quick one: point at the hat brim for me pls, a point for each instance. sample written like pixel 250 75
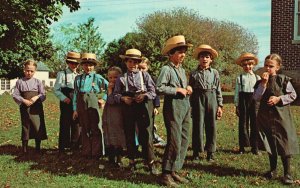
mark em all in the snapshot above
pixel 95 62
pixel 240 59
pixel 213 52
pixel 168 48
pixel 130 57
pixel 72 60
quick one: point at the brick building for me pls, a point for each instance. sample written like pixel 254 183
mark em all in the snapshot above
pixel 285 37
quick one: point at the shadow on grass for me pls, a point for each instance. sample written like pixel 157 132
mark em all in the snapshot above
pixel 63 164
pixel 221 171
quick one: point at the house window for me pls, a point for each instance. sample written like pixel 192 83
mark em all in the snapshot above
pixel 2 84
pixel 51 83
pixel 297 20
pixel 7 84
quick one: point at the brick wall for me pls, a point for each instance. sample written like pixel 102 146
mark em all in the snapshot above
pixel 282 33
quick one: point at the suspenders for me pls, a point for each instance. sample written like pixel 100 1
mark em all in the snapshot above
pixel 142 81
pixel 93 83
pixel 241 80
pixel 66 81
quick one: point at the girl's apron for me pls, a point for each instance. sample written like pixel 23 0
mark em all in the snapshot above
pixel 32 118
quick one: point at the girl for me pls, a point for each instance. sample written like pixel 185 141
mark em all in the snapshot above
pixel 29 93
pixel 114 136
pixel 275 93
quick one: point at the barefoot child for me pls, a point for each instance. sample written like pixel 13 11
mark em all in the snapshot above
pixel 29 93
pixel 275 93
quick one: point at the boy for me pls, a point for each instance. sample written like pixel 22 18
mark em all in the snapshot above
pixel 29 93
pixel 157 140
pixel 206 102
pixel 245 105
pixel 87 87
pixel 136 91
pixel 172 83
pixel 63 90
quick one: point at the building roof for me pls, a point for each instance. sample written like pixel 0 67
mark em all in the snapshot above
pixel 42 67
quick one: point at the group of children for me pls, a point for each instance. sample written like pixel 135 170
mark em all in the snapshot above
pixel 131 100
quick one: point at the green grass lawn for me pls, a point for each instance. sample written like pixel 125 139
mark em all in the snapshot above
pixel 49 169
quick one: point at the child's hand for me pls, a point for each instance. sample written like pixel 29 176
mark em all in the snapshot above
pixel 155 111
pixel 264 79
pixel 189 90
pixel 219 113
pixel 273 100
pixel 183 91
pixel 67 100
pixel 101 103
pixel 75 115
pixel 140 98
pixel 27 102
pixel 127 100
pixel 33 99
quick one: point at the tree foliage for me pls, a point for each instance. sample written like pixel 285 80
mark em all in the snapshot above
pixel 24 31
pixel 228 38
pixel 84 37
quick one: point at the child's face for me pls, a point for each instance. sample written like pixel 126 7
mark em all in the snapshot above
pixel 178 56
pixel 143 67
pixel 271 66
pixel 132 64
pixel 205 60
pixel 112 76
pixel 88 67
pixel 29 71
pixel 247 66
pixel 73 66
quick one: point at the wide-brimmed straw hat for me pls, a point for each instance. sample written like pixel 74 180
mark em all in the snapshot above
pixel 205 48
pixel 174 42
pixel 132 54
pixel 73 57
pixel 89 58
pixel 246 56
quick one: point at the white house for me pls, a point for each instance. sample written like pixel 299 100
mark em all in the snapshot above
pixel 42 73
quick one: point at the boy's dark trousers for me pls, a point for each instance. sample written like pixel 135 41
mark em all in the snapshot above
pixel 247 117
pixel 69 130
pixel 139 114
pixel 204 110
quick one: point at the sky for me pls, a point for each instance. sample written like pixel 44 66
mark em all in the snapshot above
pixel 117 17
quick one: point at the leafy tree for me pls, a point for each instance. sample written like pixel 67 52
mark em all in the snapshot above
pixel 24 31
pixel 228 38
pixel 82 38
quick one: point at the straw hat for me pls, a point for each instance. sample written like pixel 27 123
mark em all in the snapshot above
pixel 205 48
pixel 73 57
pixel 132 54
pixel 174 42
pixel 89 58
pixel 247 56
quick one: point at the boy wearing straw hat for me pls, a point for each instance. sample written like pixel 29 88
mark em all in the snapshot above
pixel 245 105
pixel 135 90
pixel 172 83
pixel 86 106
pixel 63 90
pixel 206 102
